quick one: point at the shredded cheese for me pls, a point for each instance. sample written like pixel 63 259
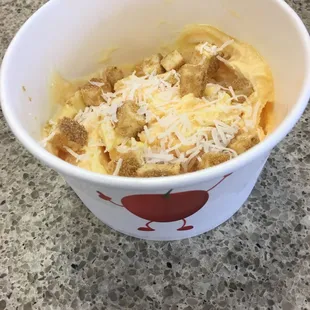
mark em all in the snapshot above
pixel 233 93
pixel 221 48
pixel 223 60
pixel 98 84
pixel 212 49
pixel 118 166
pixel 77 156
pixel 48 138
pixel 175 130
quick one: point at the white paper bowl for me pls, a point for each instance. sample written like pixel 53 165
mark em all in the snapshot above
pixel 69 36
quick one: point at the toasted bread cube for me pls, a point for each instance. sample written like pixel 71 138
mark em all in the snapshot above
pixel 199 59
pixel 193 80
pixel 212 159
pixel 103 83
pixel 238 83
pixel 129 123
pixel 241 83
pixel 244 141
pixel 92 91
pixel 173 61
pixel 242 86
pixel 74 131
pixel 113 75
pixel 91 95
pixel 158 170
pixel 70 134
pixel 132 161
pixel 210 62
pixel 152 64
pixel 138 70
pixel 214 65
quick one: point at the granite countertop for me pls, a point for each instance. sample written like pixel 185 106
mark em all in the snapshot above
pixel 54 254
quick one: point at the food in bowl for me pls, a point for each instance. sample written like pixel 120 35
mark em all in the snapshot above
pixel 206 100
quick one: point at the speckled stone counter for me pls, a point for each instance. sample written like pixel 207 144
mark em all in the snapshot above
pixel 54 254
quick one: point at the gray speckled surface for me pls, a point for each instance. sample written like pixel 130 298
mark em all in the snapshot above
pixel 54 254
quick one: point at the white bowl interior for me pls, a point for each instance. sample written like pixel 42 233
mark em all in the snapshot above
pixel 70 36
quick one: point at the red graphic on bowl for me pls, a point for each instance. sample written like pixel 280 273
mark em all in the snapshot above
pixel 164 208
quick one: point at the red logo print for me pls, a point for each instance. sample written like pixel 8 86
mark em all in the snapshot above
pixel 164 208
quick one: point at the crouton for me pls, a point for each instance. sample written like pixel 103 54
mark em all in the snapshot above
pixel 129 123
pixel 132 161
pixel 193 80
pixel 214 65
pixel 173 61
pixel 244 141
pixel 92 91
pixel 113 75
pixel 150 65
pixel 227 77
pixel 158 170
pixel 242 86
pixel 212 159
pixel 70 134
pixel 74 131
pixel 198 59
pixel 210 62
pixel 138 70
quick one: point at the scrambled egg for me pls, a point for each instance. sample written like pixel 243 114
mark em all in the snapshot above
pixel 197 106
